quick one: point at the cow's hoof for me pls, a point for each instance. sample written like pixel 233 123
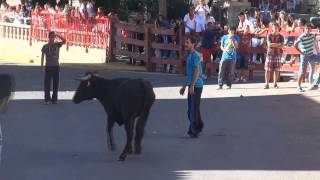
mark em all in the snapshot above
pixel 123 157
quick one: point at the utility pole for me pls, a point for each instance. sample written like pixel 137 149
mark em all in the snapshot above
pixel 163 7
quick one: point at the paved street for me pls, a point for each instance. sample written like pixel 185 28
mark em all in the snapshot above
pixel 266 134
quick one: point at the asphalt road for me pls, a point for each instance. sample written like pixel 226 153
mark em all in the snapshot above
pixel 256 137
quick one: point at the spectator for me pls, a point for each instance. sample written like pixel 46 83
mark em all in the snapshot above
pixel 244 55
pixel 306 44
pixel 50 52
pixel 201 10
pixel 190 21
pixel 100 13
pixel 243 23
pixel 283 21
pixel 90 9
pixel 51 9
pixel 264 5
pixel 209 19
pixel 274 54
pixel 229 46
pixel 208 47
pixel 18 15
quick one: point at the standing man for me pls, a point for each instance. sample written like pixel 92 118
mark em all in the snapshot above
pixel 274 53
pixel 51 70
pixel 229 46
pixel 209 37
pixel 308 45
pixel 195 86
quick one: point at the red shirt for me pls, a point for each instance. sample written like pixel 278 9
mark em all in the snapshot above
pixel 274 39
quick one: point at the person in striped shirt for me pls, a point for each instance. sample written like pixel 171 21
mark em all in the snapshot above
pixel 306 44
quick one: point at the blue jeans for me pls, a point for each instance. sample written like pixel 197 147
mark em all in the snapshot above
pixel 194 114
pixel 304 61
pixel 226 66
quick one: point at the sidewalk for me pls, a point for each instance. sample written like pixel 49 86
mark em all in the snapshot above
pixel 18 52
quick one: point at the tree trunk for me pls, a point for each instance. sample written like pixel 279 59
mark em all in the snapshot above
pixel 163 8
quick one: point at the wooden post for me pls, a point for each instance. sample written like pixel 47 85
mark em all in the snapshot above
pixel 181 49
pixel 163 8
pixel 147 49
pixel 109 51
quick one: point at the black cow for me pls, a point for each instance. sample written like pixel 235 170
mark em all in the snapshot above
pixel 124 100
pixel 7 86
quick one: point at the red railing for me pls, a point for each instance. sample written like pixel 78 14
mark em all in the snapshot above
pixel 287 50
pixel 77 31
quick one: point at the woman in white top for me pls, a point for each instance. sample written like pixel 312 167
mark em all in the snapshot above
pixel 190 21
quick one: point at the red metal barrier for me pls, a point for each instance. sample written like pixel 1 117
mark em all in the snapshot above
pixel 89 33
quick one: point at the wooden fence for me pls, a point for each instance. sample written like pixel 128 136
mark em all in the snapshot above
pixel 148 43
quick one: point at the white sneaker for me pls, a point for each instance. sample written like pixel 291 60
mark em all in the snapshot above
pixel 244 80
pixel 300 89
pixel 256 62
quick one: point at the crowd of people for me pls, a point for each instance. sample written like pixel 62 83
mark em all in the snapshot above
pixel 21 13
pixel 269 30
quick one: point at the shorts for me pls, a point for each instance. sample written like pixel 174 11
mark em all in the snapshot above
pixel 243 61
pixel 200 27
pixel 206 54
pixel 273 63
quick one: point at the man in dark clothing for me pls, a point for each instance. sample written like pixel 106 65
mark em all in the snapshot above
pixel 51 51
pixel 208 46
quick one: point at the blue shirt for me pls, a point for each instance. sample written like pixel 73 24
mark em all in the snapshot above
pixel 193 63
pixel 232 55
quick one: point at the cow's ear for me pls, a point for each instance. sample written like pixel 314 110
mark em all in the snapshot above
pixel 88 83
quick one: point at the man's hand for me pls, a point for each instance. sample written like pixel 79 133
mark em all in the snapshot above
pixel 182 90
pixel 191 90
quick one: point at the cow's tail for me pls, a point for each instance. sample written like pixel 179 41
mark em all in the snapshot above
pixel 149 98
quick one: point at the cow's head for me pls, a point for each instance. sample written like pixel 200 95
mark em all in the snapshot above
pixel 85 90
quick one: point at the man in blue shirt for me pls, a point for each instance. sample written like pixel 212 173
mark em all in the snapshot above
pixel 195 84
pixel 229 46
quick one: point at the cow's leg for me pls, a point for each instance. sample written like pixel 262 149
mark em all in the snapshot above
pixel 128 148
pixel 111 143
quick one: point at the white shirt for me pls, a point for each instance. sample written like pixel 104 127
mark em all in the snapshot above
pixel 190 23
pixel 210 20
pixel 201 12
pixel 246 23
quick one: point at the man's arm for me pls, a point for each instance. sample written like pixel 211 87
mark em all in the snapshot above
pixel 42 59
pixel 206 9
pixel 235 43
pixel 316 43
pixel 63 40
pixel 195 78
pixel 296 45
